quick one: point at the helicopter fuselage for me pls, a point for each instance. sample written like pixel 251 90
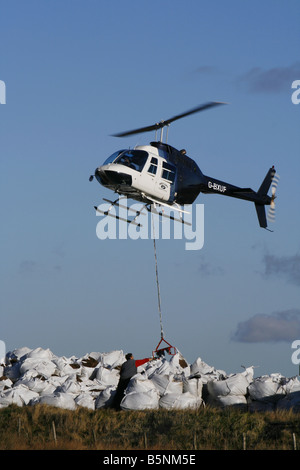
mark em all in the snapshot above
pixel 159 172
pixel 156 171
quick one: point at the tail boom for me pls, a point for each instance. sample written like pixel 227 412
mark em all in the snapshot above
pixel 260 198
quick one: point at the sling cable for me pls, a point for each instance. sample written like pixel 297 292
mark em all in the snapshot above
pixel 161 349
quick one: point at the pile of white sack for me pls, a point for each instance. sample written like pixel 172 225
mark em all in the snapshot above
pixel 32 376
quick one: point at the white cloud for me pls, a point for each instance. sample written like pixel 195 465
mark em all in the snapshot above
pixel 278 326
pixel 274 80
pixel 283 266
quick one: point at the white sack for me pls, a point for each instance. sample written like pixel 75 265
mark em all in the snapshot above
pixel 19 395
pixel 249 373
pixel 43 367
pixel 140 383
pixel 34 383
pixel 292 385
pixel 105 398
pixel 65 366
pixel 166 384
pixel 85 373
pixel 93 387
pixel 69 386
pixel 5 384
pixel 56 380
pixel 107 376
pixel 176 367
pixel 39 354
pixel 235 385
pixel 140 401
pixel 59 400
pixel 25 394
pixel 85 400
pixel 9 397
pixel 48 390
pixel 179 401
pixel 151 367
pixel 200 368
pixel 95 355
pixel 159 367
pixel 193 386
pixel 265 388
pixel 112 359
pixel 16 354
pixel 228 400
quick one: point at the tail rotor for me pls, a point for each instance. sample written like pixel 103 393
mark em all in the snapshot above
pixel 271 211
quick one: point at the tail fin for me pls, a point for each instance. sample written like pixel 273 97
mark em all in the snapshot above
pixel 261 214
pixel 264 188
pixel 261 193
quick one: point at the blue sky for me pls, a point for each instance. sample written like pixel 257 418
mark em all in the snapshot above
pixel 78 71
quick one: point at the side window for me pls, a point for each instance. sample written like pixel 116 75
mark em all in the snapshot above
pixel 168 172
pixel 153 166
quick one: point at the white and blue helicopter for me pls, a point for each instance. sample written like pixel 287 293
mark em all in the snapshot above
pixel 160 175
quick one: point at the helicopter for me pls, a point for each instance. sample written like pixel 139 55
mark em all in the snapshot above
pixel 160 175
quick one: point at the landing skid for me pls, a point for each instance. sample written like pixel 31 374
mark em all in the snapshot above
pixel 116 203
pixel 133 222
pixel 149 207
pixel 180 220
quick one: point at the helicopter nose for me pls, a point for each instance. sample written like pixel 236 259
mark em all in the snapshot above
pixel 115 177
pixel 110 177
pixel 101 176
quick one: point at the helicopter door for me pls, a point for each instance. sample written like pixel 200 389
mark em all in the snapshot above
pixel 166 181
pixel 158 179
pixel 151 182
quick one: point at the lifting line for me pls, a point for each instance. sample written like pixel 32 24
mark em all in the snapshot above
pixel 157 282
pixel 160 350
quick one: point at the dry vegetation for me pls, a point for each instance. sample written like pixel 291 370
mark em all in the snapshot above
pixel 42 427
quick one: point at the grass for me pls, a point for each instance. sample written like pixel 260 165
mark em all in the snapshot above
pixel 41 427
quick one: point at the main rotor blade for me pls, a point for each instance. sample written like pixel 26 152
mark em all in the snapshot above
pixel 202 107
pixel 161 124
pixel 138 131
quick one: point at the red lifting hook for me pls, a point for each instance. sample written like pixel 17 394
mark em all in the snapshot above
pixel 160 351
